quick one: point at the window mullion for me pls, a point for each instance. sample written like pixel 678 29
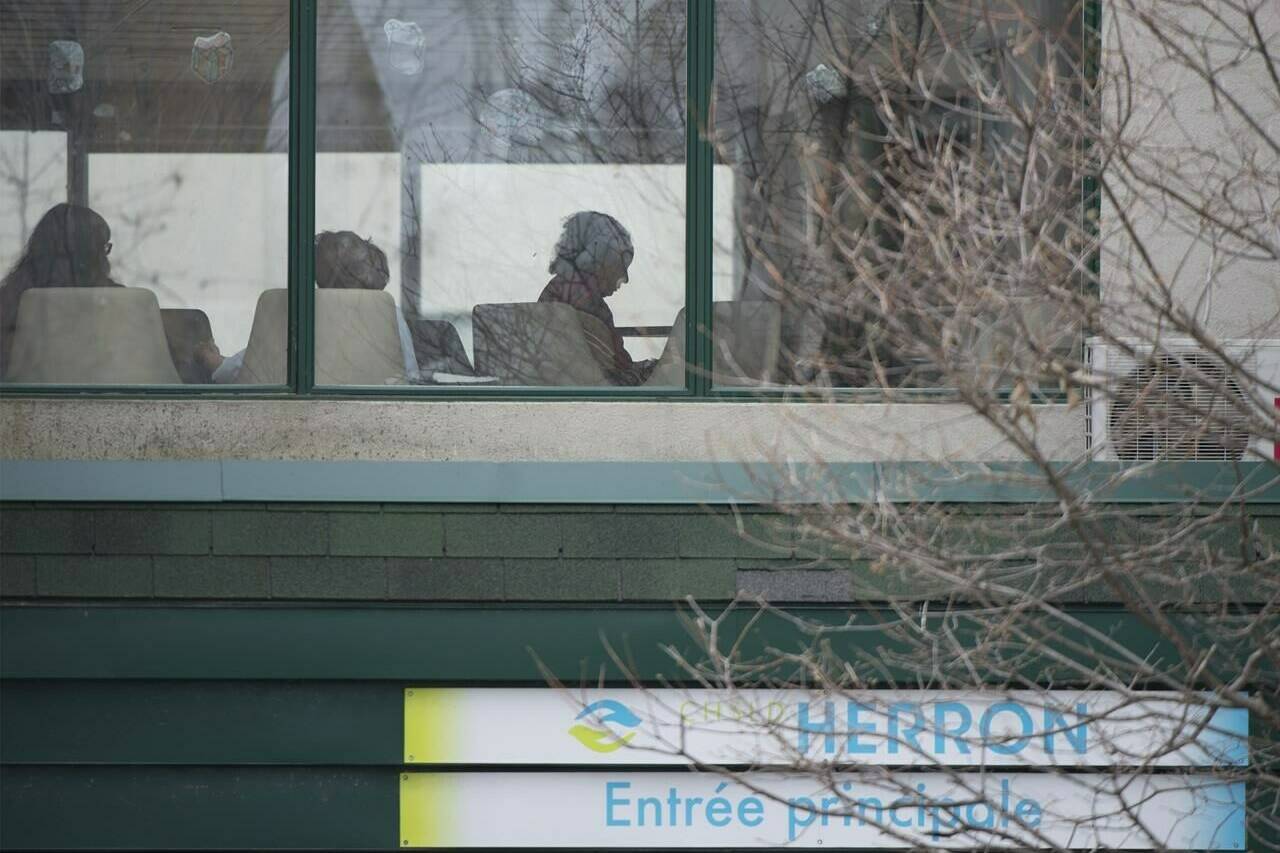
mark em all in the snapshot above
pixel 302 159
pixel 700 159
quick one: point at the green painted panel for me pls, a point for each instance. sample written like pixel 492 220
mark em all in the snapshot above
pixel 357 643
pixel 110 480
pixel 493 645
pixel 1108 482
pixel 201 722
pixel 170 808
pixel 359 481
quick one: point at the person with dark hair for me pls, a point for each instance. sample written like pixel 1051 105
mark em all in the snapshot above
pixel 344 260
pixel 69 247
pixel 590 263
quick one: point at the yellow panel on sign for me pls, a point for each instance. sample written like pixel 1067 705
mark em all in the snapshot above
pixel 431 729
pixel 425 808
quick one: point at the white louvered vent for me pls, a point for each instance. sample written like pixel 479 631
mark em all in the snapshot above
pixel 1178 402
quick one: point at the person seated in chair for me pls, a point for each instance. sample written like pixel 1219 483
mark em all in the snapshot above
pixel 344 260
pixel 67 248
pixel 590 263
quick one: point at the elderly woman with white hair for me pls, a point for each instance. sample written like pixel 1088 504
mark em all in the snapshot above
pixel 590 263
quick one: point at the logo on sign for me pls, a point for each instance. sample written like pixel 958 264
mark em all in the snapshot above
pixel 599 733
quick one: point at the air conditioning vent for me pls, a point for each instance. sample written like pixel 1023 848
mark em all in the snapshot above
pixel 1180 402
pixel 1178 407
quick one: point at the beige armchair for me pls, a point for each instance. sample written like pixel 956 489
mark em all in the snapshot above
pixel 90 336
pixel 745 337
pixel 357 342
pixel 540 343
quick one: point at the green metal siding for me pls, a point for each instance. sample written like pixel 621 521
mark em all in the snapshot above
pixel 234 680
pixel 279 727
pixel 203 808
pixel 182 722
pixel 496 644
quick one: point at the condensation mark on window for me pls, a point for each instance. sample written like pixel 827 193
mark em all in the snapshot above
pixel 825 84
pixel 514 117
pixel 66 67
pixel 211 57
pixel 406 46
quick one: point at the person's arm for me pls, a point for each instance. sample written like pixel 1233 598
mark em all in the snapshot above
pixel 580 296
pixel 626 370
pixel 635 373
pixel 223 371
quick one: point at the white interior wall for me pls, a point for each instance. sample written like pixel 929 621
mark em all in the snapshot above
pixel 178 229
pixel 33 178
pixel 210 231
pixel 489 231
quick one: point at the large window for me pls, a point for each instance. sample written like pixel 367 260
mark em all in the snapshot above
pixel 534 155
pixel 144 211
pixel 607 196
pixel 890 162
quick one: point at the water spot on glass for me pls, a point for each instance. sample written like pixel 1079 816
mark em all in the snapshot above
pixel 406 46
pixel 212 56
pixel 825 84
pixel 514 117
pixel 66 67
pixel 105 111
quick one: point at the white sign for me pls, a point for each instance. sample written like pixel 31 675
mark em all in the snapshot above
pixel 515 726
pixel 602 810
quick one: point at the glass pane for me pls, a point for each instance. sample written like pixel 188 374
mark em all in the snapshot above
pixel 880 162
pixel 500 192
pixel 144 217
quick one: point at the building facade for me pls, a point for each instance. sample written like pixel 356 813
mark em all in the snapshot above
pixel 241 515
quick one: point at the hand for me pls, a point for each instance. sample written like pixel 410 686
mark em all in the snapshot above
pixel 208 356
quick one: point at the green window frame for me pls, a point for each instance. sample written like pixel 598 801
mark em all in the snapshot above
pixel 700 160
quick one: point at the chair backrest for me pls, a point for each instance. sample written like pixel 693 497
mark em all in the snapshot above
pixel 745 338
pixel 356 339
pixel 669 371
pixel 438 347
pixel 90 336
pixel 540 343
pixel 186 329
